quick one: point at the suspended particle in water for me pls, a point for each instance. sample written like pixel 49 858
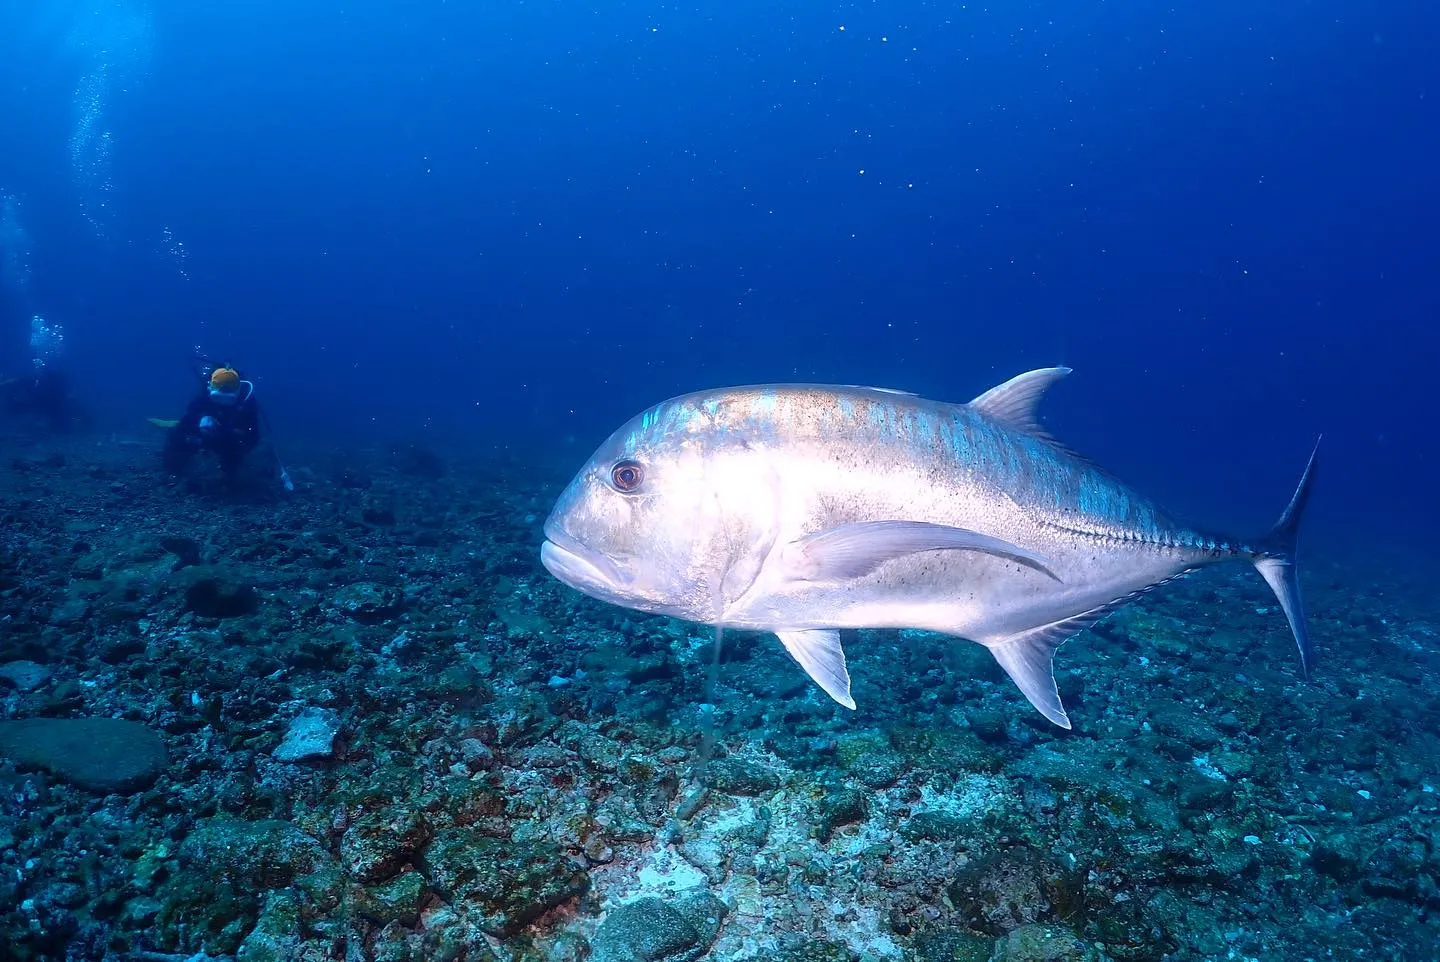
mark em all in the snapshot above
pixel 14 246
pixel 47 341
pixel 91 148
pixel 115 40
pixel 173 249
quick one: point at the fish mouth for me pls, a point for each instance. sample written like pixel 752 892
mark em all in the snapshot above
pixel 578 566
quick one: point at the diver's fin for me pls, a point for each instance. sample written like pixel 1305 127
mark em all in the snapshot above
pixel 1276 562
pixel 855 550
pixel 818 651
pixel 1016 402
pixel 163 422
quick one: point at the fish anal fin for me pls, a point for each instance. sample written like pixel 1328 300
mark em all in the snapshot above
pixel 818 651
pixel 1029 658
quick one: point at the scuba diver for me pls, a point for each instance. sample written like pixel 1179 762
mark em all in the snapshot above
pixel 223 418
pixel 44 394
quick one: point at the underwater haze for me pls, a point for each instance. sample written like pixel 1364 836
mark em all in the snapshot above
pixel 522 222
pixel 452 246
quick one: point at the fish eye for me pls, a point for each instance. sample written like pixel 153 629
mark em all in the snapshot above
pixel 627 475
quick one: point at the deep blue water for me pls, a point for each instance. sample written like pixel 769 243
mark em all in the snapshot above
pixel 515 224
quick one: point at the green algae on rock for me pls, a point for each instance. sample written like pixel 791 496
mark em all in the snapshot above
pixel 262 855
pixel 397 900
pixel 378 843
pixel 1043 943
pixel 509 883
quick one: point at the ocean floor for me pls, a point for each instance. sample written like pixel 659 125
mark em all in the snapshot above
pixel 361 722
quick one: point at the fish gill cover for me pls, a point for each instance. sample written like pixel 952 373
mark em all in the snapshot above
pixel 310 313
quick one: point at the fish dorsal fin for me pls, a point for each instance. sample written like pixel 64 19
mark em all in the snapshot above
pixel 818 651
pixel 1016 402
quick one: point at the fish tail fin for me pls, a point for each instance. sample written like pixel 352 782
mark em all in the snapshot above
pixel 1275 558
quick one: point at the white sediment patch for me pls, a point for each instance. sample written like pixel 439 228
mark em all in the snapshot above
pixel 971 797
pixel 758 922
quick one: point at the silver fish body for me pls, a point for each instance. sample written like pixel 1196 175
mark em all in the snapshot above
pixel 806 509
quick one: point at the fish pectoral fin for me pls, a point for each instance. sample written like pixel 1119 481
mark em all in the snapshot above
pixel 818 651
pixel 855 550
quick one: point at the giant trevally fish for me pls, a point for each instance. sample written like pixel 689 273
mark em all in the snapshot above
pixel 804 509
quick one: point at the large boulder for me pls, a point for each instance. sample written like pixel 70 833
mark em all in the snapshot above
pixel 99 754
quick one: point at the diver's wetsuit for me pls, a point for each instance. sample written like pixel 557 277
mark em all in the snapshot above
pixel 235 433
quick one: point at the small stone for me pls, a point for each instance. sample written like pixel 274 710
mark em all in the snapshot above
pixel 396 901
pixel 952 945
pixel 645 930
pixel 377 844
pixel 311 736
pixel 277 936
pixel 1042 943
pixel 597 851
pixel 476 755
pixel 367 602
pixel 736 776
pixel 24 675
pixel 704 910
pixel 214 592
pixel 63 698
pixel 935 825
pixel 69 613
pixel 845 806
pixel 547 756
pixel 259 855
pixel 990 726
pixel 691 804
pixel 186 550
pixel 117 650
pixel 507 884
